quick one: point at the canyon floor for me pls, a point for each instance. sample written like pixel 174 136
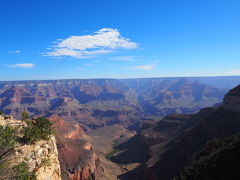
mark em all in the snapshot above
pixel 103 140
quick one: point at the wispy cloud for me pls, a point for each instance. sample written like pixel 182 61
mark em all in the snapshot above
pixel 144 67
pixel 103 41
pixel 15 52
pixel 24 65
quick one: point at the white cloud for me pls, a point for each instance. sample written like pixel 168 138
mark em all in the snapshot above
pixel 103 41
pixel 24 65
pixel 232 73
pixel 123 58
pixel 17 51
pixel 144 67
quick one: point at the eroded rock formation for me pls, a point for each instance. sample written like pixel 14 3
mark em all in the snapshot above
pixel 172 142
pixel 76 155
pixel 41 157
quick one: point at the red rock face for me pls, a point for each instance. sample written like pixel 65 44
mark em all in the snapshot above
pixel 85 174
pixel 76 155
pixel 66 130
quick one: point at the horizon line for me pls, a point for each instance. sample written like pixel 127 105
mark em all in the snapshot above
pixel 158 77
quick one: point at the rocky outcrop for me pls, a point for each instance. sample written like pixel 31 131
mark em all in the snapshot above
pixel 10 121
pixel 65 129
pixel 163 130
pixel 91 170
pixel 41 157
pixel 76 155
pixel 232 100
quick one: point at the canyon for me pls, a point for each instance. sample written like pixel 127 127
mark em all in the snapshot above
pixel 88 115
pixel 175 142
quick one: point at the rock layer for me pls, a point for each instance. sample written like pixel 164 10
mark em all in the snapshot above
pixel 76 155
pixel 41 157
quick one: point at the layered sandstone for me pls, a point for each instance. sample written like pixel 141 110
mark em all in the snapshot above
pixel 77 157
pixel 41 157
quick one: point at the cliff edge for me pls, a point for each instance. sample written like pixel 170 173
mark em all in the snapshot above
pixel 41 157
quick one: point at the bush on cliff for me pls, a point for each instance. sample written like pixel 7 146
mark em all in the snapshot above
pixel 21 172
pixel 9 138
pixel 7 144
pixel 38 129
pixel 24 116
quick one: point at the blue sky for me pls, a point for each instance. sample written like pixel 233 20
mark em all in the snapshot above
pixel 58 39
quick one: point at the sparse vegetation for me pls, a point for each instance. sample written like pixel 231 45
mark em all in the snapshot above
pixel 7 143
pixel 1 113
pixel 21 172
pixel 45 162
pixel 37 129
pixel 24 116
pixel 114 151
pixel 7 140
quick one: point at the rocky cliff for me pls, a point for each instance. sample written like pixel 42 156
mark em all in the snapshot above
pixel 76 155
pixel 232 100
pixel 171 143
pixel 41 157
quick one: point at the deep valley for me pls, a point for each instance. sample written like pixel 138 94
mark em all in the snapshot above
pixel 129 128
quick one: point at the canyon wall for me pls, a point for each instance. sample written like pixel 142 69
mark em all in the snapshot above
pixel 41 157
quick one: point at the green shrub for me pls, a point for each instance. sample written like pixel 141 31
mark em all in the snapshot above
pixel 114 151
pixel 45 127
pixel 7 140
pixel 31 134
pixel 21 172
pixel 45 162
pixel 37 130
pixel 24 116
pixel 7 144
